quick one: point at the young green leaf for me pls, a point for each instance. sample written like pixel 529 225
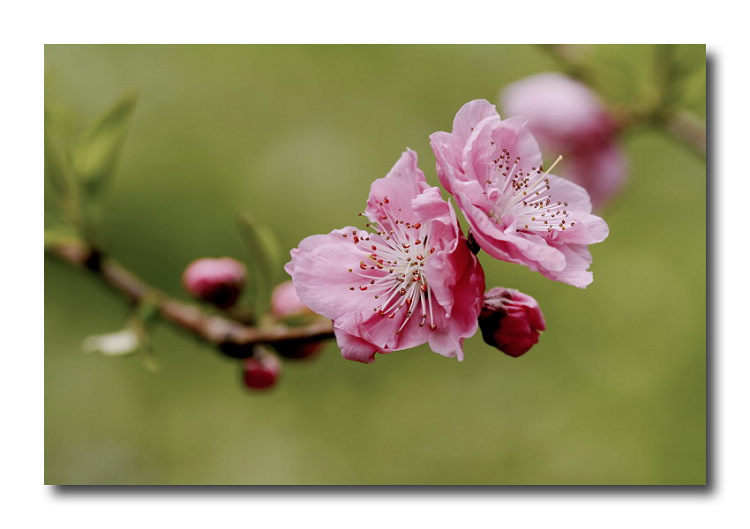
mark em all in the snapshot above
pixel 61 187
pixel 271 250
pixel 57 168
pixel 265 258
pixel 95 155
pixel 59 234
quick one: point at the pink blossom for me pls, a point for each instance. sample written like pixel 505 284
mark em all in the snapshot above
pixel 285 303
pixel 568 118
pixel 510 320
pixel 410 281
pixel 218 281
pixel 517 211
pixel 601 171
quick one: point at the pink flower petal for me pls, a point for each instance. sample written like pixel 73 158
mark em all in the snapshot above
pixel 568 118
pixel 517 212
pixel 602 171
pixel 354 348
pixel 391 196
pixel 577 261
pixel 320 270
pixel 469 115
pixel 412 281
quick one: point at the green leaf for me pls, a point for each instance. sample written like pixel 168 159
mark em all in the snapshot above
pixel 96 153
pixel 147 310
pixel 57 165
pixel 61 188
pixel 60 234
pixel 66 121
pixel 624 73
pixel 265 258
pixel 271 250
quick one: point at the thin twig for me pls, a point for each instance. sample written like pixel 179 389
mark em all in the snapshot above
pixel 232 337
pixel 688 128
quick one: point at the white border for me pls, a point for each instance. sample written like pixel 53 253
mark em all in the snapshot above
pixel 27 25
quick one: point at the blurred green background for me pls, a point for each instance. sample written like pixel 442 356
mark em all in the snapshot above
pixel 614 393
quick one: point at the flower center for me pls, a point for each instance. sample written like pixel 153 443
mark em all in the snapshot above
pixel 395 270
pixel 525 195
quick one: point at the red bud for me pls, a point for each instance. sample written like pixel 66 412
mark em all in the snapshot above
pixel 510 320
pixel 217 281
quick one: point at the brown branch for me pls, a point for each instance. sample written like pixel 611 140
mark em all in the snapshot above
pixel 232 337
pixel 682 125
pixel 688 128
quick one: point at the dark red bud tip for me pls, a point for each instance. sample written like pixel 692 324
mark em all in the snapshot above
pixel 217 281
pixel 510 320
pixel 472 243
pixel 236 350
pixel 299 350
pixel 261 372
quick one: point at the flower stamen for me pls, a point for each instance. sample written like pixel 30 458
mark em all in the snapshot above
pixel 396 276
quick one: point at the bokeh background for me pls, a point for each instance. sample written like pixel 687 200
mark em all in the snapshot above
pixel 614 393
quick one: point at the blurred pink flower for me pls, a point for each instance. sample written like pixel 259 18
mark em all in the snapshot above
pixel 510 320
pixel 217 281
pixel 601 171
pixel 285 302
pixel 568 118
pixel 517 212
pixel 412 281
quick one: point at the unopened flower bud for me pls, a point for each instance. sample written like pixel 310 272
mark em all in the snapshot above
pixel 285 303
pixel 261 371
pixel 510 320
pixel 217 281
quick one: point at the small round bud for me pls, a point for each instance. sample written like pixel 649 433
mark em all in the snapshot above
pixel 261 371
pixel 510 320
pixel 217 281
pixel 286 303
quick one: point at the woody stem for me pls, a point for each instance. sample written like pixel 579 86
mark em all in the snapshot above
pixel 228 334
